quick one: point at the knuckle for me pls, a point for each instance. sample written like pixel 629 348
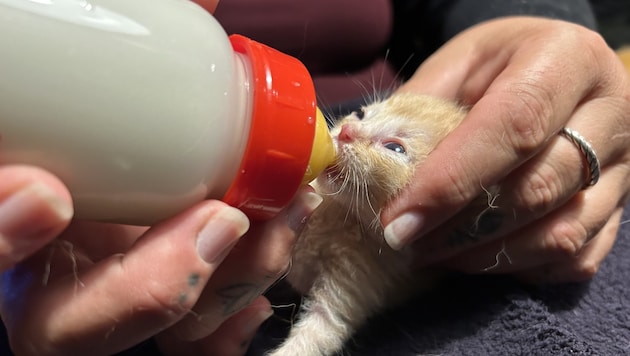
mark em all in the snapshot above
pixel 529 113
pixel 456 189
pixel 579 271
pixel 584 270
pixel 272 260
pixel 566 239
pixel 163 301
pixel 540 191
pixel 595 43
pixel 273 271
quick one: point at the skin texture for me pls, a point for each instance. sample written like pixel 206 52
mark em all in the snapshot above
pixel 170 281
pixel 108 287
pixel 524 79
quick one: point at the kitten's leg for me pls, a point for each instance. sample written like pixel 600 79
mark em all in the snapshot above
pixel 341 299
pixel 321 328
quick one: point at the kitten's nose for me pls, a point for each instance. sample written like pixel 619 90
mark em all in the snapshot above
pixel 348 133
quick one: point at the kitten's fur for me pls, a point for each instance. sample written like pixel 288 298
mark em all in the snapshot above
pixel 341 262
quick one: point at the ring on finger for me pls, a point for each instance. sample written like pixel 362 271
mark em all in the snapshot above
pixel 592 162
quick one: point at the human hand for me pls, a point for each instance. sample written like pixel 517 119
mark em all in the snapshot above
pixel 525 79
pixel 34 208
pixel 192 280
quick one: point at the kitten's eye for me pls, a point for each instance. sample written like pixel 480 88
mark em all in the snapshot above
pixel 395 146
pixel 359 113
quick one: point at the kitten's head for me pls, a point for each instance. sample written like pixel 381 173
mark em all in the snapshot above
pixel 380 146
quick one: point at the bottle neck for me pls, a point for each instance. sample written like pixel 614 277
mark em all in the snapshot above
pixel 282 129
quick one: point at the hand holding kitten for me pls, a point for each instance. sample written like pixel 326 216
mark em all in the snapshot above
pixel 524 80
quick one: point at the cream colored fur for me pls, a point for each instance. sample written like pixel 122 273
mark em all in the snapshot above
pixel 341 263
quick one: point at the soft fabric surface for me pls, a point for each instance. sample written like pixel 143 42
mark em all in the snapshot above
pixel 490 315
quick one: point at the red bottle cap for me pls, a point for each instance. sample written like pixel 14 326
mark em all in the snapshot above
pixel 281 135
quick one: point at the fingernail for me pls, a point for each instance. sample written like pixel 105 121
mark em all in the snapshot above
pixel 35 201
pixel 400 231
pixel 301 208
pixel 220 234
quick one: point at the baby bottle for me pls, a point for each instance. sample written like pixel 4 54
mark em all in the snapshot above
pixel 145 107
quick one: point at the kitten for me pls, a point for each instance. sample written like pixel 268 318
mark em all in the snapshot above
pixel 341 263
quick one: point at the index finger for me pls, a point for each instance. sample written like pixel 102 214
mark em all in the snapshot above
pixel 527 102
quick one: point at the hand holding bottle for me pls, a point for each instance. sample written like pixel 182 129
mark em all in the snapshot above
pixel 108 287
pixel 97 287
pixel 144 113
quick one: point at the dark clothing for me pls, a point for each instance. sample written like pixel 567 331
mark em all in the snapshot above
pixel 613 21
pixel 345 43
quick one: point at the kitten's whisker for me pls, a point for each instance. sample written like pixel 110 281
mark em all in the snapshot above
pixel 364 89
pixel 380 82
pixel 376 89
pixel 356 196
pixel 360 193
pixel 397 76
pixel 376 225
pixel 365 201
pixel 369 96
pixel 370 203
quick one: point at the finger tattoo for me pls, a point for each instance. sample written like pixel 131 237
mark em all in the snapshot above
pixel 239 295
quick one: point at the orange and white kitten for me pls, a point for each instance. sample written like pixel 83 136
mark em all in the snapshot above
pixel 341 262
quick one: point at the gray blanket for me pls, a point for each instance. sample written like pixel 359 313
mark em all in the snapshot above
pixel 495 315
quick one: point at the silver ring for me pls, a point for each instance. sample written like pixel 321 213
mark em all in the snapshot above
pixel 588 152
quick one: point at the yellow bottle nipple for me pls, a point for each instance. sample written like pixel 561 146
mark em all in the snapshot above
pixel 323 153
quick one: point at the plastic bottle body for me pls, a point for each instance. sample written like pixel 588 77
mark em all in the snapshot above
pixel 146 107
pixel 89 92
